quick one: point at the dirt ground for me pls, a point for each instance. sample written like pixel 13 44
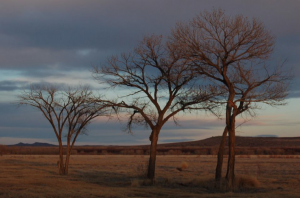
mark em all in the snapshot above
pixel 121 176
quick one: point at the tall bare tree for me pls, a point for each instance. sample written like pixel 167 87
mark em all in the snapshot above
pixel 232 51
pixel 68 111
pixel 156 84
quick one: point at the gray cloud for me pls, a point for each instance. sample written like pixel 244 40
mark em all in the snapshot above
pixel 28 122
pixel 118 25
pixel 294 94
pixel 61 36
pixel 12 85
pixel 8 85
pixel 49 39
pixel 72 35
pixel 48 59
pixel 42 73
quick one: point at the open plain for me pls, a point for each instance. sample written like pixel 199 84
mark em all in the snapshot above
pixel 122 176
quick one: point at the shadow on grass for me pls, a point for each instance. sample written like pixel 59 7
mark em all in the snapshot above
pixel 50 168
pixel 103 178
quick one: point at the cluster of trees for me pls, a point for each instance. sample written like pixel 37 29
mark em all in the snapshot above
pixel 214 63
pixel 68 111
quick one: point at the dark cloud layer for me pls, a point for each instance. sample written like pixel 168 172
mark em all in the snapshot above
pixel 8 85
pixel 47 33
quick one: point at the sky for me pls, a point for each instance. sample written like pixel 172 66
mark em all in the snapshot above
pixel 60 41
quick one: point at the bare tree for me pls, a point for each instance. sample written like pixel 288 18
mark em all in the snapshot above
pixel 68 111
pixel 156 84
pixel 232 53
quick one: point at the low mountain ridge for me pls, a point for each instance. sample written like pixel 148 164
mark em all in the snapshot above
pixel 214 141
pixel 36 144
pixel 209 146
pixel 242 141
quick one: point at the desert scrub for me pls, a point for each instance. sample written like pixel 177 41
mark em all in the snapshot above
pixel 183 166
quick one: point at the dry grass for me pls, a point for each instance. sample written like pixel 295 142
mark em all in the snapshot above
pixel 243 183
pixel 116 176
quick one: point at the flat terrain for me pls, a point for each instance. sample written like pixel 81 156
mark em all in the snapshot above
pixel 121 176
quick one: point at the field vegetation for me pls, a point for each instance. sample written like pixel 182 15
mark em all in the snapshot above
pixel 125 176
pixel 135 150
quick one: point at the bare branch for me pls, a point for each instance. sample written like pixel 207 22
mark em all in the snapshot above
pixel 67 110
pixel 155 76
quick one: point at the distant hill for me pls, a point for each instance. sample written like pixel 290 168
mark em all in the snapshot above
pixel 214 141
pixel 36 144
pixel 209 146
pixel 242 142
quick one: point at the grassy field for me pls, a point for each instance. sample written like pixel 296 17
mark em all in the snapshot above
pixel 121 176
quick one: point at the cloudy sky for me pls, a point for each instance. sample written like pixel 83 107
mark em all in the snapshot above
pixel 59 41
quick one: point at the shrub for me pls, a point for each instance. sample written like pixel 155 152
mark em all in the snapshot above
pixel 184 166
pixel 142 169
pixel 244 181
pixel 135 183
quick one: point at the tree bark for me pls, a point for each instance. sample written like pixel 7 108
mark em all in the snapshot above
pixel 68 153
pixel 67 162
pixel 61 159
pixel 152 160
pixel 218 174
pixel 231 157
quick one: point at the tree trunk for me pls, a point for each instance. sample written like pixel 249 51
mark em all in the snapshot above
pixel 67 162
pixel 152 160
pixel 218 174
pixel 231 157
pixel 61 160
pixel 68 153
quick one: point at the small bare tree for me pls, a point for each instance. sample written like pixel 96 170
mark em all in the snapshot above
pixel 156 85
pixel 68 111
pixel 231 52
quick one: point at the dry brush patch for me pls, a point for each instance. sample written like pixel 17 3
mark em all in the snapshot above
pixel 183 166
